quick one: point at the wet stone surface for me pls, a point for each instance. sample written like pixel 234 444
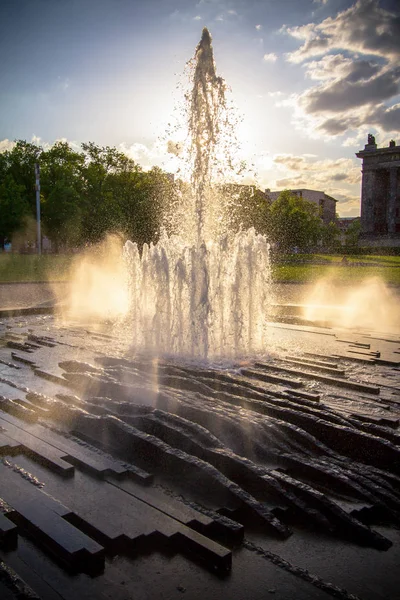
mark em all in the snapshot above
pixel 182 478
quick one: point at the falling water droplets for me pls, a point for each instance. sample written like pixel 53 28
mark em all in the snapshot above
pixel 203 292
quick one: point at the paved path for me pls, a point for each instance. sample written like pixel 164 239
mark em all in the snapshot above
pixel 24 295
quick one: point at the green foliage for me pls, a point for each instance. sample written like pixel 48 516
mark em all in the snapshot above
pixel 248 207
pixel 84 194
pixel 353 235
pixel 97 190
pixel 61 214
pixel 330 236
pixel 61 192
pixel 352 274
pixel 13 207
pixel 293 222
pixel 19 163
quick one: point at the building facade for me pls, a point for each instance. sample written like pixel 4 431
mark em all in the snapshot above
pixel 380 193
pixel 326 204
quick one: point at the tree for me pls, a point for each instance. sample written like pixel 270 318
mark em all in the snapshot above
pixel 102 166
pixel 293 222
pixel 13 208
pixel 153 193
pixel 353 235
pixel 62 189
pixel 247 207
pixel 20 164
pixel 62 215
pixel 330 235
pixel 84 195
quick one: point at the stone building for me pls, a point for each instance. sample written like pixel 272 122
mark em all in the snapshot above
pixel 326 203
pixel 380 193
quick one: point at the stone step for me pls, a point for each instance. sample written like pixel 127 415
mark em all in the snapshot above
pixel 125 523
pixel 60 452
pixel 37 449
pixel 232 532
pixel 42 518
pixel 8 533
pixel 254 374
pixel 346 383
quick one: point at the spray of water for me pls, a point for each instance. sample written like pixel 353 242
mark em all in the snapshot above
pixel 207 107
pixel 370 305
pixel 205 293
pixel 199 294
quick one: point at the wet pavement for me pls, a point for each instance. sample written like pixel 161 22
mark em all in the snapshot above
pixel 25 295
pixel 129 476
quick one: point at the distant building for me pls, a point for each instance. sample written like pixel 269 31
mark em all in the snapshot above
pixel 326 203
pixel 380 194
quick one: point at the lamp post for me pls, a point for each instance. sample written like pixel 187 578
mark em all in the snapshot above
pixel 37 187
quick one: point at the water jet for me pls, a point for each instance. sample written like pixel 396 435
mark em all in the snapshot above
pixel 204 294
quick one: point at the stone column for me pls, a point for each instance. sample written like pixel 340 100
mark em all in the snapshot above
pixel 391 206
pixel 367 200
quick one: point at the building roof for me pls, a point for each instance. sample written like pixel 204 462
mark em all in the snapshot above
pixel 268 191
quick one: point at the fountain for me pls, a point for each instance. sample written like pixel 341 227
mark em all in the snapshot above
pixel 120 473
pixel 205 292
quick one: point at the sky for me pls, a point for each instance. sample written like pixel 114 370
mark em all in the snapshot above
pixel 310 79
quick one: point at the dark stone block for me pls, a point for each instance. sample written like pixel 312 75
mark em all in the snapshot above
pixel 8 445
pixel 8 533
pixel 351 385
pixel 295 383
pixel 38 449
pixel 12 587
pixel 14 408
pixel 213 554
pixel 41 517
pixel 18 346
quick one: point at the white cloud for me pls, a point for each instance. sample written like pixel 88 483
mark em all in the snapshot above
pixel 38 141
pixel 161 154
pixel 354 91
pixel 364 27
pixel 258 27
pixel 6 145
pixel 304 171
pixel 336 66
pixel 271 57
pixel 345 94
pixel 197 18
pixel 276 94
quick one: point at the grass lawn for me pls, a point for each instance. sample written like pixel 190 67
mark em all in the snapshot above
pixel 30 267
pixel 302 269
pixel 348 274
pixel 365 259
pixel 305 268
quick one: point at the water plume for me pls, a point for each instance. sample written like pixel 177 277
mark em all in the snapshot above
pixel 202 301
pixel 207 105
pixel 203 293
pixel 370 305
pixel 97 286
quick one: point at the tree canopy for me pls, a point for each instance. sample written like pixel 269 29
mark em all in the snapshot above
pixel 84 194
pixel 89 192
pixel 293 222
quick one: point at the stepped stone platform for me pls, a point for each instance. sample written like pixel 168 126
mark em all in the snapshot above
pixel 130 476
